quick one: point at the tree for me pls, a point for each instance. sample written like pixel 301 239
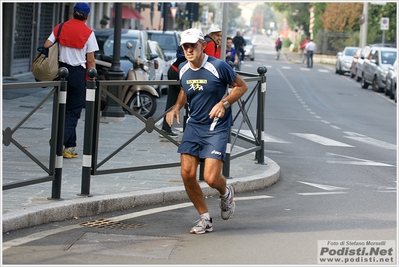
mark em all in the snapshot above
pixel 376 12
pixel 342 17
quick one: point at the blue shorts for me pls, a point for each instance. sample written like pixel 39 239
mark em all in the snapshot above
pixel 200 142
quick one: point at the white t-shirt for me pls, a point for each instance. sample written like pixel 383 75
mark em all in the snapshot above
pixel 75 56
pixel 310 46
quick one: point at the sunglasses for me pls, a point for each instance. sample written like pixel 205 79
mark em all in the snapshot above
pixel 186 46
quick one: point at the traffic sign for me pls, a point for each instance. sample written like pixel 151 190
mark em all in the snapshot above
pixel 384 23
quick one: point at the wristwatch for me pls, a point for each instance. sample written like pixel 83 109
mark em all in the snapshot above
pixel 226 104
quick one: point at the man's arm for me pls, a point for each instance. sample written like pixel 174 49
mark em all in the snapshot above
pixel 240 87
pixel 90 61
pixel 175 112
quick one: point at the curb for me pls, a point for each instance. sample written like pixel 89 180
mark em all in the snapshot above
pixel 88 206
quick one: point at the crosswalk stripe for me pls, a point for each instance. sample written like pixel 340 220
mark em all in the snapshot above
pixel 369 140
pixel 321 140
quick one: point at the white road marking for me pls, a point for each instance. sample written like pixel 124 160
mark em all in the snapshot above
pixel 321 140
pixel 321 193
pixel 321 70
pixel 40 235
pixel 369 140
pixel 356 161
pixel 266 137
pixel 323 186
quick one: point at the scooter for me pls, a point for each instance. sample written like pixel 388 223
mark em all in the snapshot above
pixel 140 98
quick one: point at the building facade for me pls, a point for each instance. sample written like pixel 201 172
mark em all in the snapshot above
pixel 26 26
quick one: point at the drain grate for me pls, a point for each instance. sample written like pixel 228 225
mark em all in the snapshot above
pixel 109 224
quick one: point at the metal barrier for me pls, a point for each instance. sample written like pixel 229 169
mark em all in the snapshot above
pixel 90 166
pixel 54 170
pixel 91 138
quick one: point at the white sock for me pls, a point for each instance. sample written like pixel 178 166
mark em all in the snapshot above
pixel 206 215
pixel 226 194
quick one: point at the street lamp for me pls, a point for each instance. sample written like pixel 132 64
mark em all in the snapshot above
pixel 113 109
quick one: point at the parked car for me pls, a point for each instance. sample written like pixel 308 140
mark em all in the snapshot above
pixel 139 40
pixel 249 49
pixel 390 88
pixel 375 67
pixel 354 63
pixel 364 54
pixel 161 65
pixel 168 40
pixel 344 59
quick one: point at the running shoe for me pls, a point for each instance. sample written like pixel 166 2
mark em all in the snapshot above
pixel 70 153
pixel 203 225
pixel 227 204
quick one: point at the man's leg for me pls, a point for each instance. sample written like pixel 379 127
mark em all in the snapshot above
pixel 188 171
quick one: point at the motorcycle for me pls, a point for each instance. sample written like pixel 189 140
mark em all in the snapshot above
pixel 140 98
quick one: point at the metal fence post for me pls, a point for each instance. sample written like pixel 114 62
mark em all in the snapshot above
pixel 88 132
pixel 62 96
pixel 260 118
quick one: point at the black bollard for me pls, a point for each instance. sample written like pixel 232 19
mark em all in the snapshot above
pixel 88 132
pixel 62 96
pixel 260 118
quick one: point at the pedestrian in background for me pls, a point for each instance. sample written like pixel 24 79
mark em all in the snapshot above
pixel 214 41
pixel 310 47
pixel 231 54
pixel 239 44
pixel 205 82
pixel 303 51
pixel 173 90
pixel 277 46
pixel 77 44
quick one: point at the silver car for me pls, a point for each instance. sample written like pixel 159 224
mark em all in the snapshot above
pixel 375 67
pixel 344 59
pixel 249 48
pixel 390 88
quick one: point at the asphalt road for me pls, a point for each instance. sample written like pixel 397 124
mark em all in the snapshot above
pixel 336 146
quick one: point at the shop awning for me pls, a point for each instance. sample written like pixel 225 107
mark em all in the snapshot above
pixel 128 13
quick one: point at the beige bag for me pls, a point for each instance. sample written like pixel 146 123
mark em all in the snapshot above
pixel 45 66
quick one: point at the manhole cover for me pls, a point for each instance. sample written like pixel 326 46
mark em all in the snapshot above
pixel 109 224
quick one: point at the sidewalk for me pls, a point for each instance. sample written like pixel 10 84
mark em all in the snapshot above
pixel 29 206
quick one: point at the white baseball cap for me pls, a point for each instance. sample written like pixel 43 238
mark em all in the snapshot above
pixel 213 29
pixel 191 36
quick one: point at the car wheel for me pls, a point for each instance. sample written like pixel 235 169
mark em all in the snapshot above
pixel 358 78
pixel 252 59
pixel 391 92
pixel 394 88
pixel 363 83
pixel 375 86
pixel 387 91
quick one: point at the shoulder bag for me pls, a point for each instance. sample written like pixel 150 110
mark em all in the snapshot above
pixel 45 66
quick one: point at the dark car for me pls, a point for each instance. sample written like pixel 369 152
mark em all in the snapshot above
pixel 168 40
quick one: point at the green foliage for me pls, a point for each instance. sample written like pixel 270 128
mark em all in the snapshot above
pixel 287 42
pixel 376 12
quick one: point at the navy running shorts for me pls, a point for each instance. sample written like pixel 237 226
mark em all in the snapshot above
pixel 203 143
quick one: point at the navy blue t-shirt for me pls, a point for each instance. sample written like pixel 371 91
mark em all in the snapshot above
pixel 204 88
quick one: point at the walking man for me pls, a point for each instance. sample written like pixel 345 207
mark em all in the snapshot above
pixel 239 44
pixel 310 47
pixel 205 81
pixel 77 44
